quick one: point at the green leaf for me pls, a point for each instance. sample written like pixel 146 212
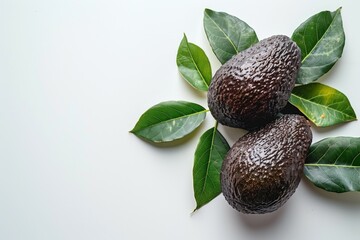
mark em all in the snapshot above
pixel 321 39
pixel 321 104
pixel 209 155
pixel 333 164
pixel 169 120
pixel 194 65
pixel 227 34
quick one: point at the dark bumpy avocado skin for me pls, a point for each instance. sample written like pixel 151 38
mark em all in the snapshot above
pixel 263 168
pixel 252 87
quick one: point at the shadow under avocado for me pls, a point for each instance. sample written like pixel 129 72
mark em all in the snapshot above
pixel 262 221
pixel 231 134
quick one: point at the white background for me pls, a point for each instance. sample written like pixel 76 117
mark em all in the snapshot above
pixel 74 78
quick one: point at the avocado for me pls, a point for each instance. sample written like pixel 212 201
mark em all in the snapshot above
pixel 252 87
pixel 263 168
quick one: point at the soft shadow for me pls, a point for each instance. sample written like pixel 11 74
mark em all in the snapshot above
pixel 331 73
pixel 291 109
pixel 349 199
pixel 232 134
pixel 321 130
pixel 262 221
pixel 191 89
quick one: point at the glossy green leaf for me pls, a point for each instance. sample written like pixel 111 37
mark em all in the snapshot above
pixel 227 34
pixel 321 39
pixel 170 120
pixel 333 164
pixel 321 104
pixel 209 155
pixel 194 65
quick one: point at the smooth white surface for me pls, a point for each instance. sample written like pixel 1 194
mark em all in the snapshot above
pixel 74 78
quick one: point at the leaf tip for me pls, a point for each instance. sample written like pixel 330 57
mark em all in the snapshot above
pixel 133 129
pixel 208 11
pixel 195 209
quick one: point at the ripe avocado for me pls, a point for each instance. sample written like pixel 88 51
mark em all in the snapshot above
pixel 263 168
pixel 252 87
